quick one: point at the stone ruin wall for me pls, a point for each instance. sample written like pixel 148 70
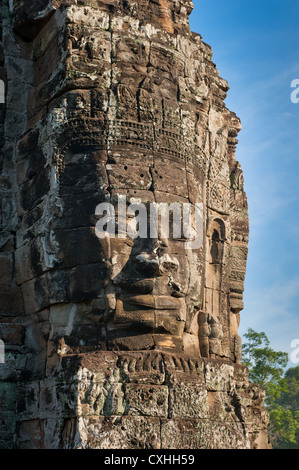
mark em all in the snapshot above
pixel 104 98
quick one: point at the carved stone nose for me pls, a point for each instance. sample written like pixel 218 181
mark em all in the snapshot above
pixel 155 264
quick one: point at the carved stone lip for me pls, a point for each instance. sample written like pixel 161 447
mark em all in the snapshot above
pixel 136 285
pixel 153 302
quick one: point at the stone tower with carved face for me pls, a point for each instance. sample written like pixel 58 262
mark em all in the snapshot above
pixel 119 342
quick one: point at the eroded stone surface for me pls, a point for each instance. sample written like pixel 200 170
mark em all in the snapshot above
pixel 119 342
pixel 97 402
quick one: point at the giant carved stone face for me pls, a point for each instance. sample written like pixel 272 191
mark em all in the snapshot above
pixel 154 284
pixel 136 110
pixel 150 287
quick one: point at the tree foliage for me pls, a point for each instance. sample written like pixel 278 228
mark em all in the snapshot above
pixel 266 366
pixel 267 369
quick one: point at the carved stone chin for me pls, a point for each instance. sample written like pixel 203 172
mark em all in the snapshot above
pixel 111 102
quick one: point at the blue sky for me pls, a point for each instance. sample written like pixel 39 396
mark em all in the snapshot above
pixel 256 49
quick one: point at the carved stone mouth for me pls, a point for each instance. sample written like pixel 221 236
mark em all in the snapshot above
pixel 134 288
pixel 138 286
pixel 153 302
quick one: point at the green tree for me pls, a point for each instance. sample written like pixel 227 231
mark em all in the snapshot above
pixel 284 428
pixel 284 417
pixel 267 368
pixel 290 399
